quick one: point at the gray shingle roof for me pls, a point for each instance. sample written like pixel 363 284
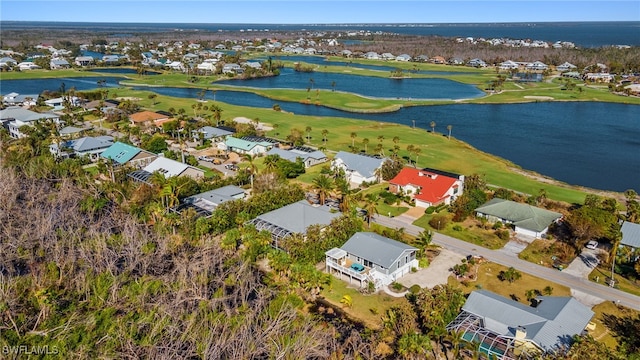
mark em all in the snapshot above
pixel 364 165
pixel 211 132
pixel 18 113
pixel 297 217
pixel 522 215
pixel 630 234
pixel 293 155
pixel 376 248
pixel 550 325
pixel 89 143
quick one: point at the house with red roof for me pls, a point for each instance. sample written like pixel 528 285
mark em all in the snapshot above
pixel 428 187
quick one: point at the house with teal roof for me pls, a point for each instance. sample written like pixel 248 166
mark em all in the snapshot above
pixel 242 146
pixel 125 154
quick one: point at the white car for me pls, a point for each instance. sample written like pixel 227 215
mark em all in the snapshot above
pixel 592 245
pixel 205 158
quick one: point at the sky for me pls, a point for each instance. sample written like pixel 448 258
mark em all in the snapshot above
pixel 318 11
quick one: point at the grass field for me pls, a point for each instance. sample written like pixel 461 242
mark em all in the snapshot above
pixel 469 232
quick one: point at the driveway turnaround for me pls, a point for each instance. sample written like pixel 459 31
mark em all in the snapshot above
pixel 436 273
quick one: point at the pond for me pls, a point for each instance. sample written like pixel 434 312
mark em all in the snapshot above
pixel 127 71
pixel 37 86
pixel 378 87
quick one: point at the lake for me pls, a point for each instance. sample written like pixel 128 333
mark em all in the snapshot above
pixel 582 143
pixel 378 87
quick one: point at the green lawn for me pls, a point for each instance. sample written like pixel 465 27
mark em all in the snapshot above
pixel 601 273
pixel 367 308
pixel 469 232
pixel 541 251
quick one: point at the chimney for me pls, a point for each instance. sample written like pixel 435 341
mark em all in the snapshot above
pixel 521 333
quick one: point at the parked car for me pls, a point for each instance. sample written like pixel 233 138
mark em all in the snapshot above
pixel 205 158
pixel 231 167
pixel 592 245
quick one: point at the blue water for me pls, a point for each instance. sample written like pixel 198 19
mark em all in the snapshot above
pixel 584 34
pixel 582 143
pixel 320 60
pixel 363 85
pixel 54 84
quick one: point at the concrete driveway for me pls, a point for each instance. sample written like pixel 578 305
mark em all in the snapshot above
pixel 436 273
pixel 583 264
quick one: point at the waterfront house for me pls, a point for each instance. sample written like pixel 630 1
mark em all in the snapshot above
pixel 428 187
pixel 537 66
pixel 509 65
pixel 56 64
pixel 630 235
pixel 476 63
pixel 84 61
pixel 13 99
pixel 403 57
pixel 358 168
pixel 566 66
pixel 293 219
pixel 506 329
pixel 309 156
pixel 527 220
pixel 371 258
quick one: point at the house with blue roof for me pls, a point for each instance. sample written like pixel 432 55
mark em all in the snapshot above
pixel 358 168
pixel 242 146
pixel 125 154
pixel 506 329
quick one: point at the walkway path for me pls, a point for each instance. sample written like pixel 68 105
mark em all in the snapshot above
pixel 464 248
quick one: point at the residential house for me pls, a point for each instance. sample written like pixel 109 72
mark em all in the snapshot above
pixel 537 66
pixel 58 103
pixel 56 64
pixel 428 187
pixel 146 118
pixel 124 154
pixel 358 168
pixel 599 77
pixel 527 220
pixel 212 133
pixel 168 168
pixel 231 69
pixel 506 329
pixel 242 146
pixel 88 146
pixel 422 58
pixel 7 62
pixel 455 61
pixel 27 65
pixel 437 60
pixel 630 235
pixel 69 132
pixel 14 117
pixel 204 204
pixel 293 219
pixel 13 98
pixel 403 57
pixel 372 55
pixel 509 65
pixel 387 56
pixel 476 63
pixel 566 66
pixel 309 157
pixel 369 257
pixel 84 61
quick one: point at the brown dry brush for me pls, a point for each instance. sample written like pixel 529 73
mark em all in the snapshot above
pixel 99 284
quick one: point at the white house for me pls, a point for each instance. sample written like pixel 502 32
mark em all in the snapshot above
pixel 527 220
pixel 14 117
pixel 242 146
pixel 90 147
pixel 27 65
pixel 371 258
pixel 566 66
pixel 509 65
pixel 537 66
pixel 358 168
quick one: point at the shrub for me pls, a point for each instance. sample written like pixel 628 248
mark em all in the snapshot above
pixel 430 210
pixel 414 289
pixel 503 234
pixel 396 286
pixel 457 228
pixel 439 222
pixel 497 225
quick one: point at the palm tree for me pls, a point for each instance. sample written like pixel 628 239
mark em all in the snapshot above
pixel 323 186
pixel 324 136
pixel 616 238
pixel 217 113
pixel 449 127
pixel 347 300
pixel 365 141
pixel 410 149
pixel 271 163
pixel 252 167
pixel 353 139
pixel 380 140
pixel 308 131
pixel 433 127
pixel 371 207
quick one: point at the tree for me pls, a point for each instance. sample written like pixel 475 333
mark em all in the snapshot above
pixel 371 207
pixel 252 167
pixel 365 141
pixel 449 127
pixel 510 275
pixel 548 290
pixel 353 139
pixel 308 131
pixel 346 300
pixel 433 127
pixel 325 132
pixel 153 97
pixel 333 86
pixel 390 168
pixel 323 185
pixel 155 144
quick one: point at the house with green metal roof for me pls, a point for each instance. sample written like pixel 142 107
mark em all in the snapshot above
pixel 125 154
pixel 369 257
pixel 505 329
pixel 242 146
pixel 527 220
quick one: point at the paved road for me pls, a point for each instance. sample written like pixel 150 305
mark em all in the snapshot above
pixel 465 248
